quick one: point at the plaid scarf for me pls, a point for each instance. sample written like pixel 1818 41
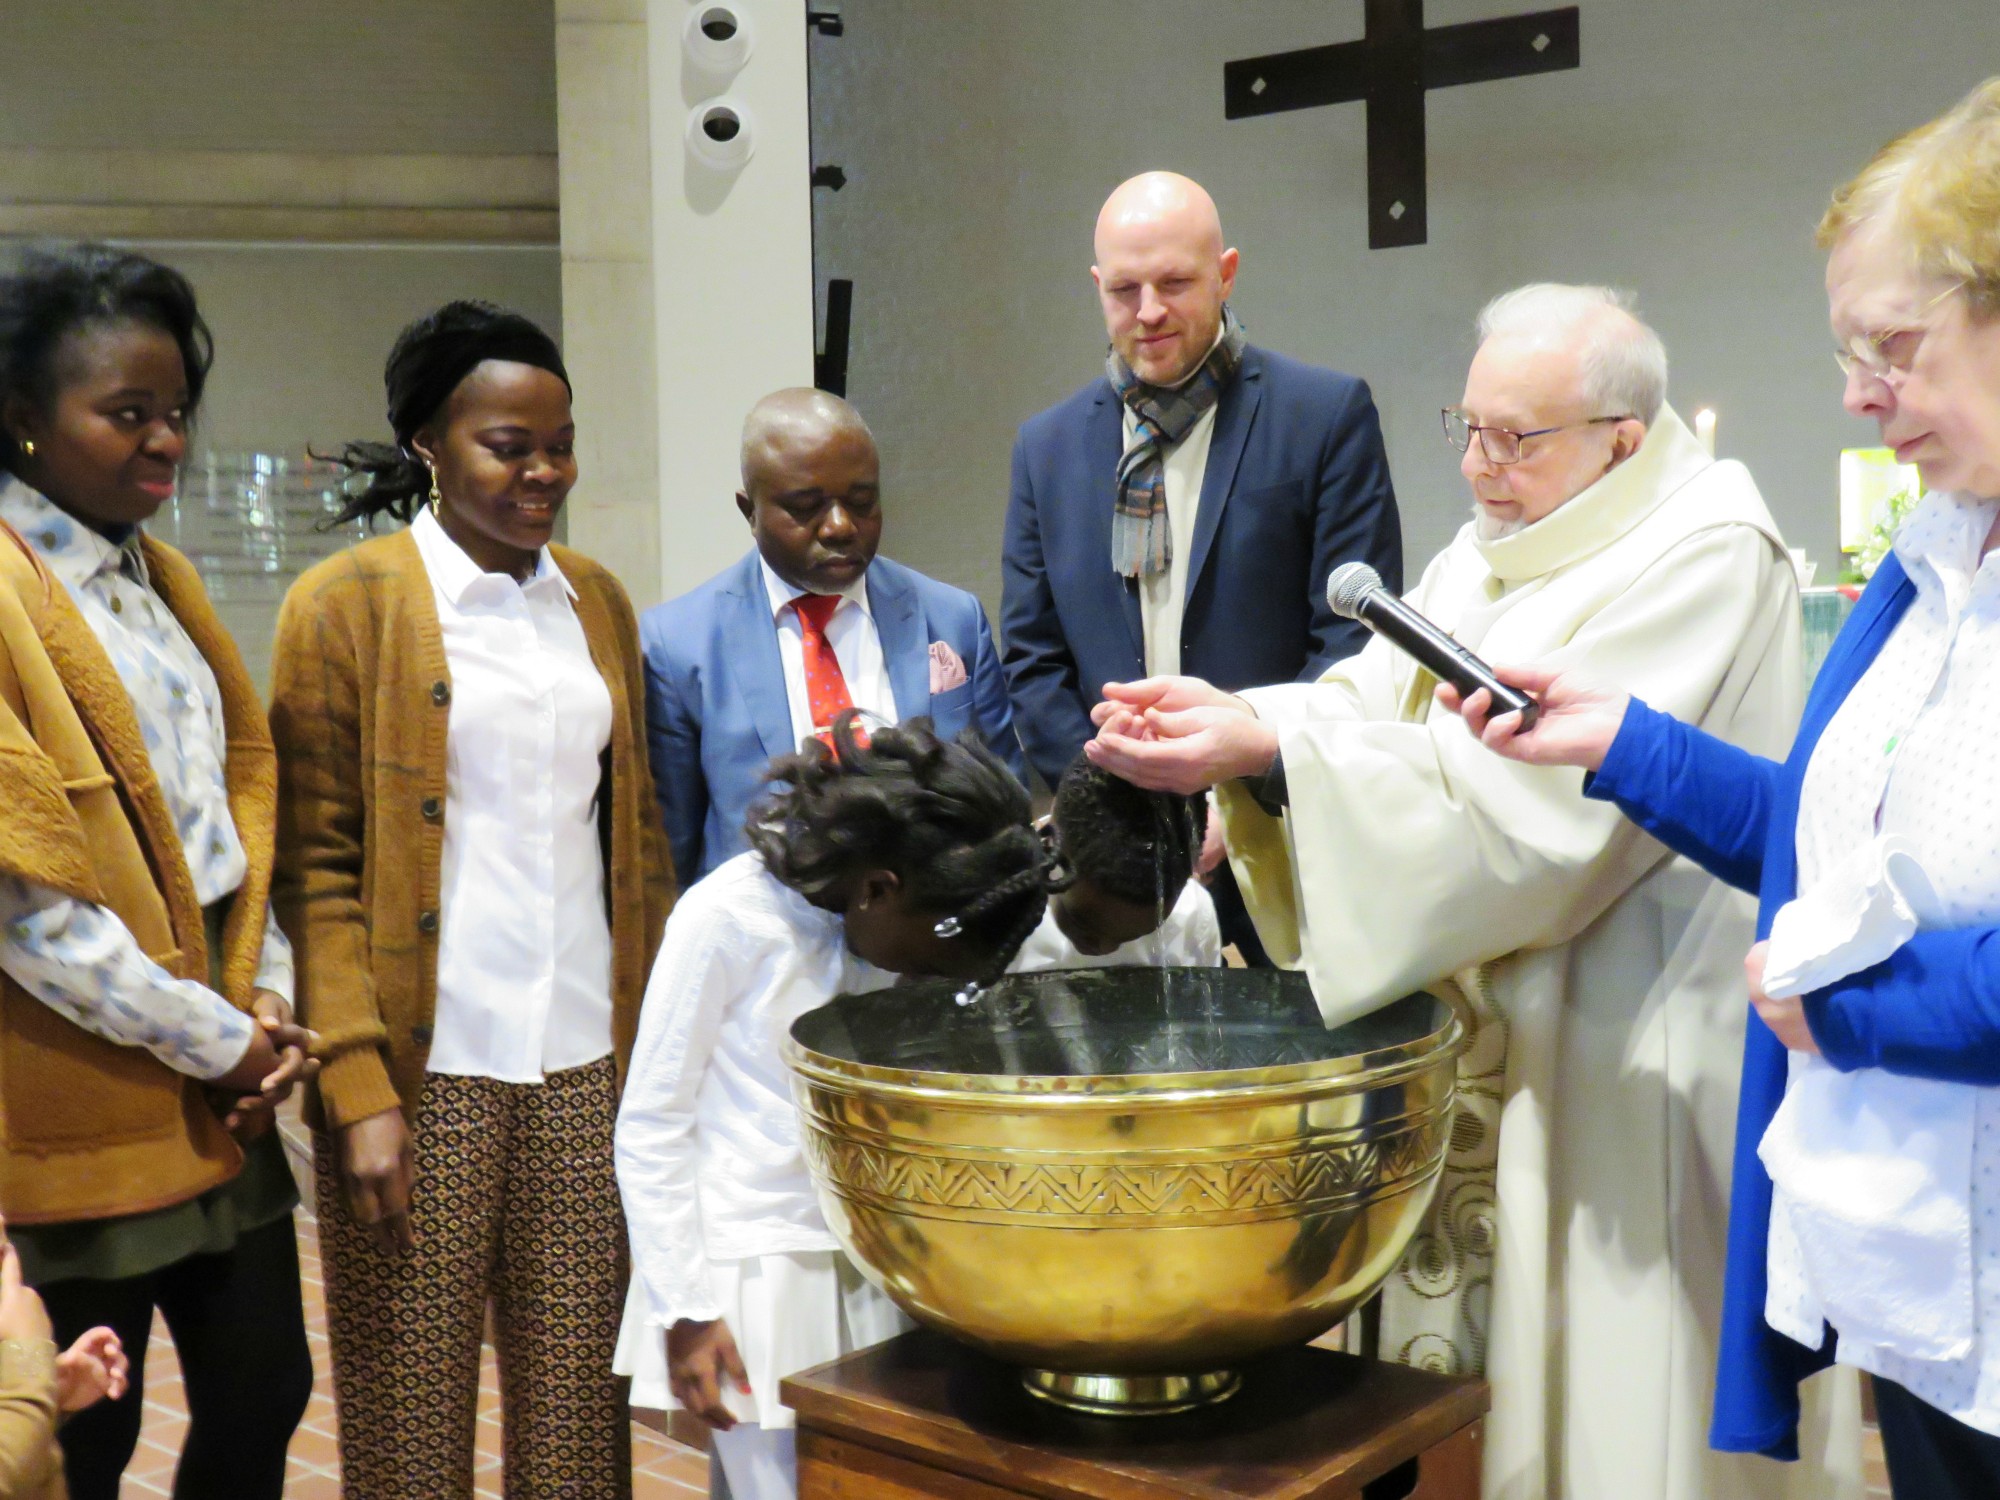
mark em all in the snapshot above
pixel 1141 542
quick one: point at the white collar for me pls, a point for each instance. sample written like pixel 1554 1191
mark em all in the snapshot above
pixel 1609 507
pixel 1944 528
pixel 70 550
pixel 455 575
pixel 781 594
pixel 1939 544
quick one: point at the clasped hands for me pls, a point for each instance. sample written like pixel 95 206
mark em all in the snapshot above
pixel 278 1060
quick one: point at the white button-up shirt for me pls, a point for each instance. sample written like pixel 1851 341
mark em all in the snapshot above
pixel 524 941
pixel 1190 937
pixel 1910 754
pixel 710 1166
pixel 857 646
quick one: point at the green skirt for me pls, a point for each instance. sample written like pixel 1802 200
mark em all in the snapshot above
pixel 139 1244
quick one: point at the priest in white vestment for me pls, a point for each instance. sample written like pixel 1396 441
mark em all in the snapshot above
pixel 1574 1254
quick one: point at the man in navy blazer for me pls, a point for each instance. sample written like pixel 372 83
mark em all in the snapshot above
pixel 728 664
pixel 1279 479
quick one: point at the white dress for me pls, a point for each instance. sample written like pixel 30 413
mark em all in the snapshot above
pixel 718 1199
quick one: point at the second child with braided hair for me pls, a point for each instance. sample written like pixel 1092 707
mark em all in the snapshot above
pixel 861 856
pixel 1132 896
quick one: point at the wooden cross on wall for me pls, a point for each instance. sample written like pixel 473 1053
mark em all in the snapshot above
pixel 1392 67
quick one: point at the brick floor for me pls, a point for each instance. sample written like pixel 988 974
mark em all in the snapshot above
pixel 662 1469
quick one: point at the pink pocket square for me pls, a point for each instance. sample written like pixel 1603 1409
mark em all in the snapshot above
pixel 947 671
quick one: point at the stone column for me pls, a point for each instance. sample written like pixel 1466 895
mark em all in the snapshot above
pixel 604 144
pixel 687 265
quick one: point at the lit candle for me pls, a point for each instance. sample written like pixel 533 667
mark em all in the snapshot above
pixel 1704 429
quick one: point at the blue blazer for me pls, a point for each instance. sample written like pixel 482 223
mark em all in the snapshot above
pixel 1297 483
pixel 1930 1010
pixel 716 709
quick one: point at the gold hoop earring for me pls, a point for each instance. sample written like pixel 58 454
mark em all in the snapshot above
pixel 28 447
pixel 436 498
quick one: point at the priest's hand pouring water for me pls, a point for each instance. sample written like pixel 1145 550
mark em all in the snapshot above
pixel 1178 734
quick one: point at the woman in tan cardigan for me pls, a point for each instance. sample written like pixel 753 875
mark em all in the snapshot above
pixel 473 874
pixel 144 991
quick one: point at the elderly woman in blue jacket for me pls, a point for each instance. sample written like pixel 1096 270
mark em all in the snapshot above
pixel 1865 1222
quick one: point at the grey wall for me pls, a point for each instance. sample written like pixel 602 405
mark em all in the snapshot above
pixel 279 75
pixel 1688 159
pixel 301 330
pixel 301 333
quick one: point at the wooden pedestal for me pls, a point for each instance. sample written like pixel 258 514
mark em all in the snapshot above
pixel 919 1418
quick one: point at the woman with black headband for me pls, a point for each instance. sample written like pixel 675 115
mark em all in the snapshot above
pixel 472 871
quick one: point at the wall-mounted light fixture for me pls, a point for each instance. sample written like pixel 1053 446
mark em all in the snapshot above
pixel 721 132
pixel 718 37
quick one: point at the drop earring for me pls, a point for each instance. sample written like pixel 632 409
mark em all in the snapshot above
pixel 436 498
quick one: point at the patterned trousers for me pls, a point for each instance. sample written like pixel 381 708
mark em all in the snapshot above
pixel 514 1201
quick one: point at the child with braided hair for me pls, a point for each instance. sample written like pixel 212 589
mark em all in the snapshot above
pixel 905 855
pixel 1131 897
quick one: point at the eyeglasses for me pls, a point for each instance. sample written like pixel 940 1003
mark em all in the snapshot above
pixel 1894 350
pixel 1502 445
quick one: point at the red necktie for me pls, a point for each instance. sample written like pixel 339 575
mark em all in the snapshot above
pixel 826 688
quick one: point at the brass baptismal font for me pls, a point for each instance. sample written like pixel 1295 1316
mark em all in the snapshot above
pixel 1125 1181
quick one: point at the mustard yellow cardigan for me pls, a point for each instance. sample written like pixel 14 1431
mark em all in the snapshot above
pixel 361 698
pixel 90 1129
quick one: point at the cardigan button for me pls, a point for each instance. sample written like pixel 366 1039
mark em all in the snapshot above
pixel 440 692
pixel 421 1035
pixel 433 808
pixel 427 922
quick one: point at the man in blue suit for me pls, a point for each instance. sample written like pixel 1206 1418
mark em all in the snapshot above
pixel 761 656
pixel 1181 513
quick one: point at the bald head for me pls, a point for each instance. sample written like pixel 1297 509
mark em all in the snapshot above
pixel 1157 205
pixel 811 489
pixel 798 417
pixel 1162 274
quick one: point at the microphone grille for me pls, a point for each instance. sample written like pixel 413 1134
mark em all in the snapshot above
pixel 1347 585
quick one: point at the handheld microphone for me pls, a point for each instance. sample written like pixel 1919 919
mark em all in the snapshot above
pixel 1355 592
